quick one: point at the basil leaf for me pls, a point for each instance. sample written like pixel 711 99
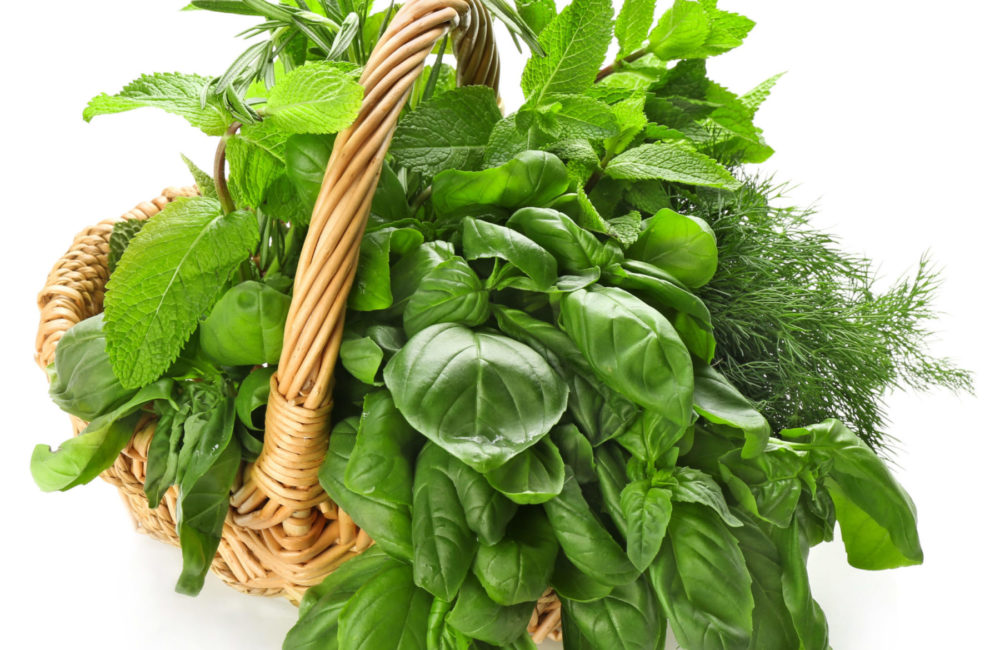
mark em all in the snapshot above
pixel 576 451
pixel 487 512
pixel 80 459
pixel 252 395
pixel 628 618
pixel 389 525
pixel 768 485
pixel 380 466
pixel 449 293
pixel 388 613
pixel 632 348
pixel 372 289
pixel 681 245
pixel 482 397
pixel 306 157
pixel 695 486
pixel 718 401
pixel 533 476
pixel 443 544
pixel 576 249
pixel 202 506
pixel 702 582
pixel 584 539
pixel 806 614
pixel 362 357
pixel 571 583
pixel 611 480
pixel 519 567
pixel 478 616
pixel 246 326
pixel 484 239
pixel 647 512
pixel 664 289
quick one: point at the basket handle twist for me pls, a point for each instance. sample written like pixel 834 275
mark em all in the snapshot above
pixel 297 423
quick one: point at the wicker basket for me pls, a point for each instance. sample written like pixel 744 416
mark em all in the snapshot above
pixel 283 533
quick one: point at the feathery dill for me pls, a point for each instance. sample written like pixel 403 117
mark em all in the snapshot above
pixel 800 327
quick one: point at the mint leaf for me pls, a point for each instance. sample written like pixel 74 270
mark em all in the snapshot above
pixel 507 140
pixel 575 44
pixel 670 162
pixel 319 97
pixel 121 234
pixel 536 13
pixel 205 183
pixel 753 99
pixel 580 158
pixel 631 121
pixel 633 24
pixel 727 30
pixel 578 116
pixel 256 158
pixel 172 92
pixel 449 131
pixel 681 32
pixel 169 276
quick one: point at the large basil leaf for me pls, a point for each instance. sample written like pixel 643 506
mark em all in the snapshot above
pixel 694 486
pixel 443 544
pixel 407 273
pixel 529 178
pixel 381 461
pixel 519 567
pixel 681 245
pixel 449 293
pixel 632 348
pixel 321 605
pixel 388 613
pixel 716 400
pixel 629 618
pixel 664 289
pixel 80 459
pixel 202 506
pixel 388 524
pixel 576 249
pixel 484 239
pixel 584 540
pixel 807 616
pixel 306 157
pixel 362 357
pixel 483 397
pixel 164 451
pixel 571 583
pixel 476 614
pixel 486 511
pixel 533 476
pixel 877 518
pixel 647 512
pixel 701 580
pixel 768 485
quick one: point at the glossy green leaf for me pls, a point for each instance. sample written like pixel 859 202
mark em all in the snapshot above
pixel 476 614
pixel 246 326
pixel 694 486
pixel 487 512
pixel 584 540
pixel 570 583
pixel 483 397
pixel 575 249
pixel 628 618
pixel 702 582
pixel 389 525
pixel 449 293
pixel 518 568
pixel 372 289
pixel 362 357
pixel 718 401
pixel 306 158
pixel 529 178
pixel 80 459
pixel 443 544
pixel 768 485
pixel 202 506
pixel 412 267
pixel 681 245
pixel 388 613
pixel 632 348
pixel 663 289
pixel 611 480
pixel 647 512
pixel 484 239
pixel 533 476
pixel 576 451
pixel 253 394
pixel 806 614
pixel 380 466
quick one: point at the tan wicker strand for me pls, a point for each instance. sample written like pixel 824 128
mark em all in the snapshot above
pixel 283 534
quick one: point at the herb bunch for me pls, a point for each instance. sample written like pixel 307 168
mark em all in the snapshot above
pixel 583 349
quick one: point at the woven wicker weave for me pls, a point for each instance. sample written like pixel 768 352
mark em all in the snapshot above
pixel 283 534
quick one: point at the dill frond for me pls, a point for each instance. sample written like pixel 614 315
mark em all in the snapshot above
pixel 800 327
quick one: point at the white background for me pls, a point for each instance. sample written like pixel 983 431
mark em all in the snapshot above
pixel 886 119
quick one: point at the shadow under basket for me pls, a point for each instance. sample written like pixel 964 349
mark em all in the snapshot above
pixel 283 534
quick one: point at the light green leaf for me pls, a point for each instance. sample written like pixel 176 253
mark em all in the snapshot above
pixel 389 613
pixel 450 293
pixel 533 476
pixel 695 486
pixel 361 356
pixel 319 97
pixel 682 246
pixel 172 92
pixel 575 44
pixel 669 161
pixel 681 32
pixel 204 181
pixel 632 24
pixel 718 401
pixel 754 98
pixel 484 239
pixel 449 131
pixel 577 116
pixel 168 278
pixel 256 156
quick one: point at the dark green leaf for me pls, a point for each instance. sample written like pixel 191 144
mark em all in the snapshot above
pixel 576 249
pixel 533 476
pixel 486 511
pixel 380 466
pixel 530 178
pixel 388 613
pixel 478 616
pixel 518 568
pixel 483 239
pixel 647 512
pixel 449 293
pixel 121 234
pixel 628 618
pixel 362 357
pixel 372 289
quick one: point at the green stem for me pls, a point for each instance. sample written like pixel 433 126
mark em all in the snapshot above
pixel 619 63
pixel 219 171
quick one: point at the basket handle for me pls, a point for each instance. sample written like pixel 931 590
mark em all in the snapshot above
pixel 297 423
